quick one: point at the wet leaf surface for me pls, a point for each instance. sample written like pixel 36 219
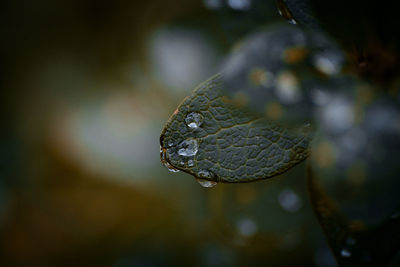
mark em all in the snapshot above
pixel 214 140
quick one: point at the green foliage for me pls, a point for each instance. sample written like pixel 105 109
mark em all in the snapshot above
pixel 212 139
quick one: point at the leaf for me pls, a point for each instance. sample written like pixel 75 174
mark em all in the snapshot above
pixel 211 139
pixel 352 243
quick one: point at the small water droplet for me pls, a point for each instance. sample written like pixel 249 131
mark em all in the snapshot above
pixel 188 148
pixel 205 174
pixel 345 253
pixel 164 161
pixel 190 163
pixel 172 169
pixel 284 11
pixel 170 143
pixel 194 120
pixel 206 183
pixel 205 178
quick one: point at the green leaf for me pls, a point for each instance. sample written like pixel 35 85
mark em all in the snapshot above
pixel 352 243
pixel 214 140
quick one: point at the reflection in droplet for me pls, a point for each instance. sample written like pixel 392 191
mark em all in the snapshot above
pixel 246 227
pixel 289 200
pixel 345 253
pixel 164 161
pixel 188 148
pixel 206 183
pixel 287 88
pixel 194 120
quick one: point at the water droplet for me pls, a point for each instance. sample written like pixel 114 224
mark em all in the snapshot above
pixel 164 161
pixel 205 174
pixel 204 178
pixel 345 253
pixel 206 183
pixel 170 143
pixel 171 168
pixel 246 227
pixel 190 163
pixel 284 11
pixel 188 148
pixel 289 200
pixel 194 120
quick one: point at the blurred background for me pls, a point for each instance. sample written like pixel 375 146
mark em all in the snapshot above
pixel 87 87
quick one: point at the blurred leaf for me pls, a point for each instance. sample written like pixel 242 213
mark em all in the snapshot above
pixel 214 140
pixel 352 243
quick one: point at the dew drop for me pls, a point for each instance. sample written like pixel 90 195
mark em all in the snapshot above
pixel 164 161
pixel 205 174
pixel 204 178
pixel 172 169
pixel 170 143
pixel 345 253
pixel 194 120
pixel 190 163
pixel 206 183
pixel 188 148
pixel 284 11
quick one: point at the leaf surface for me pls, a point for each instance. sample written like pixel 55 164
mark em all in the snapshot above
pixel 212 139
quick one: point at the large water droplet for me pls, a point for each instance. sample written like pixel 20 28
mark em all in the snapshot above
pixel 194 120
pixel 206 183
pixel 188 148
pixel 345 253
